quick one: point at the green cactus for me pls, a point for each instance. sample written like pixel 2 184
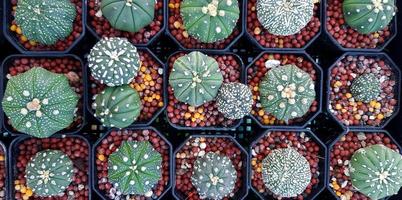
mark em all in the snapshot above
pixel 117 106
pixel 287 92
pixel 366 88
pixel 368 16
pixel 114 61
pixel 49 173
pixel 135 168
pixel 45 21
pixel 195 78
pixel 128 15
pixel 376 171
pixel 210 21
pixel 284 17
pixel 234 100
pixel 286 172
pixel 39 102
pixel 214 176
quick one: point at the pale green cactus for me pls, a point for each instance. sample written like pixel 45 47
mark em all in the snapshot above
pixel 234 100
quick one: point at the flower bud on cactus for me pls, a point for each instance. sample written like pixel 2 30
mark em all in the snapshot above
pixel 376 171
pixel 366 88
pixel 214 176
pixel 195 78
pixel 234 100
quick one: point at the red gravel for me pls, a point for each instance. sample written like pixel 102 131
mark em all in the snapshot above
pixel 3 172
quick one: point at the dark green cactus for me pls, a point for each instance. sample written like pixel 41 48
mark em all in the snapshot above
pixel 39 102
pixel 135 168
pixel 49 173
pixel 210 20
pixel 214 176
pixel 195 78
pixel 45 21
pixel 366 88
pixel 128 15
pixel 234 100
pixel 117 106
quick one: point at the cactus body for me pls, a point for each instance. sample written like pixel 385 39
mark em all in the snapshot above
pixel 234 100
pixel 366 88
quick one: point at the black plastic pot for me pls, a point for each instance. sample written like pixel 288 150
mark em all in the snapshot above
pixel 239 195
pixel 99 141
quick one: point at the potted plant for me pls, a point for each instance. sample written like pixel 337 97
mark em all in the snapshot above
pixel 3 171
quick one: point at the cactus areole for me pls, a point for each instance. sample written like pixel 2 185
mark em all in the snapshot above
pixel 366 88
pixel 45 21
pixel 376 171
pixel 234 100
pixel 39 102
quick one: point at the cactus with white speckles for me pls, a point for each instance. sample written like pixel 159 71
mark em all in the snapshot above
pixel 366 88
pixel 234 100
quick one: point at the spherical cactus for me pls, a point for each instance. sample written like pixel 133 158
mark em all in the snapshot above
pixel 287 92
pixel 117 106
pixel 234 100
pixel 366 88
pixel 284 17
pixel 39 102
pixel 135 168
pixel 376 171
pixel 286 172
pixel 128 15
pixel 368 16
pixel 214 176
pixel 114 61
pixel 45 21
pixel 49 173
pixel 210 21
pixel 195 78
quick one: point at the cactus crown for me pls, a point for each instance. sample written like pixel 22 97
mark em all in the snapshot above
pixel 117 106
pixel 366 88
pixel 114 61
pixel 135 168
pixel 287 92
pixel 39 102
pixel 45 21
pixel 234 100
pixel 368 16
pixel 214 176
pixel 49 173
pixel 376 171
pixel 284 17
pixel 128 15
pixel 210 20
pixel 195 78
pixel 286 172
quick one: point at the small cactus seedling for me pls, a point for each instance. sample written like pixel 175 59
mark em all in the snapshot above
pixel 234 100
pixel 286 172
pixel 128 15
pixel 135 168
pixel 114 61
pixel 214 176
pixel 195 78
pixel 210 20
pixel 49 173
pixel 366 88
pixel 284 17
pixel 45 21
pixel 368 16
pixel 117 106
pixel 287 92
pixel 39 102
pixel 376 171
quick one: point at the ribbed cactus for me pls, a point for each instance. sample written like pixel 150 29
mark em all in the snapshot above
pixel 214 176
pixel 49 173
pixel 128 15
pixel 210 20
pixel 284 17
pixel 117 106
pixel 135 168
pixel 286 172
pixel 39 102
pixel 45 21
pixel 114 61
pixel 366 88
pixel 287 92
pixel 368 16
pixel 234 100
pixel 376 171
pixel 195 78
